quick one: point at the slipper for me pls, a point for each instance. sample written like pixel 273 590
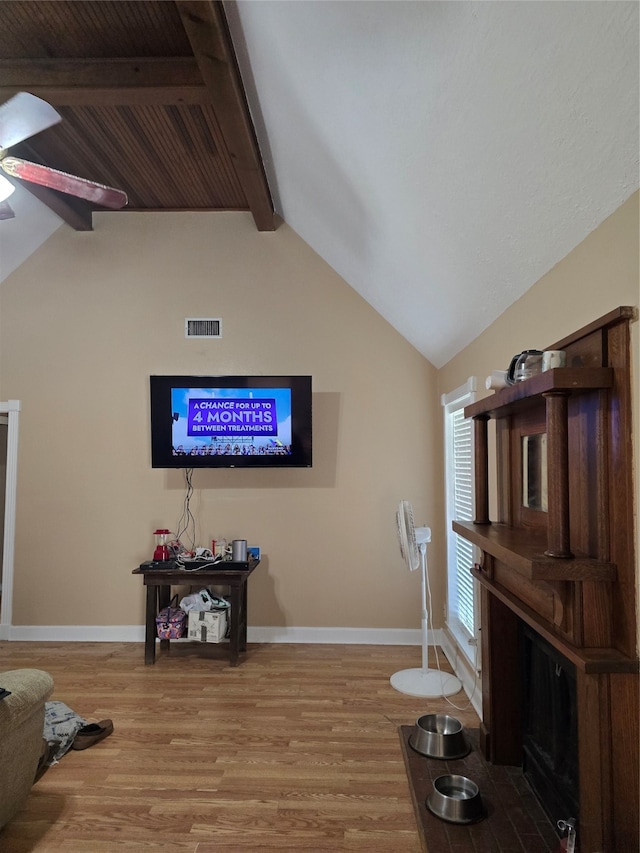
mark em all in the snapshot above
pixel 92 733
pixel 47 757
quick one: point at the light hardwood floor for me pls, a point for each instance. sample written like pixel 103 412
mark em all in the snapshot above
pixel 297 749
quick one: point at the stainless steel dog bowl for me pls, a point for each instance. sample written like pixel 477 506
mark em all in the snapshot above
pixel 439 736
pixel 455 799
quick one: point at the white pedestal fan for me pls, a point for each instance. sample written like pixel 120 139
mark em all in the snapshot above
pixel 413 546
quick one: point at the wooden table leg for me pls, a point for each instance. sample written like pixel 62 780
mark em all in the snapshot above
pixel 243 622
pixel 234 633
pixel 164 600
pixel 150 626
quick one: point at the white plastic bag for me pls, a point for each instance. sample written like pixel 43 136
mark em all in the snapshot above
pixel 203 600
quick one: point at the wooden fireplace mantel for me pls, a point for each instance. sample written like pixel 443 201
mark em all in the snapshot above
pixel 523 550
pixel 569 572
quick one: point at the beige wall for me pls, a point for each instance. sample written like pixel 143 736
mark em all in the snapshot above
pixel 87 319
pixel 90 316
pixel 597 276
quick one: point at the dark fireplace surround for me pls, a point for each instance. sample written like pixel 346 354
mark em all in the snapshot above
pixel 550 727
pixel 560 668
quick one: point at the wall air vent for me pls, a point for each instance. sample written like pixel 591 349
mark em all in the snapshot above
pixel 202 328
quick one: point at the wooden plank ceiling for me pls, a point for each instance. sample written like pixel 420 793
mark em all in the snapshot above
pixel 151 100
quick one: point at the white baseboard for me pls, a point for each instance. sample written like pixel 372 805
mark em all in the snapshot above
pixel 78 633
pixel 135 634
pixel 342 636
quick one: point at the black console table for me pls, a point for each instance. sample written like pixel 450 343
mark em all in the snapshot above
pixel 159 580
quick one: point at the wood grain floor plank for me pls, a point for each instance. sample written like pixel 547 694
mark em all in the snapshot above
pixel 297 749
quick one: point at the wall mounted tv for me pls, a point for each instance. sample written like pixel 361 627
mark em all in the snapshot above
pixel 230 421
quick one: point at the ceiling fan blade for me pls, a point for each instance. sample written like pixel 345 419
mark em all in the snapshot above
pixel 6 211
pixel 23 116
pixel 63 182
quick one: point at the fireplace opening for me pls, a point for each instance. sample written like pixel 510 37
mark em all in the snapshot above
pixel 550 736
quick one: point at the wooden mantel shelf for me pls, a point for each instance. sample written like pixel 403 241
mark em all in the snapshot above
pixel 523 550
pixel 591 661
pixel 569 380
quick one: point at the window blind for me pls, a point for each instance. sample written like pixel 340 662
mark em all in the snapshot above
pixel 461 605
pixel 463 510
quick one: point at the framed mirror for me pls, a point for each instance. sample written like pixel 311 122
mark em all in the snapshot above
pixel 534 471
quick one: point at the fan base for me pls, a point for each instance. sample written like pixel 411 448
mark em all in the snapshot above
pixel 425 682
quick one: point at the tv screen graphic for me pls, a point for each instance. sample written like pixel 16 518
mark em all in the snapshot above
pixel 230 421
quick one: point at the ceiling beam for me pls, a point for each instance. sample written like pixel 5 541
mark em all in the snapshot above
pixel 105 82
pixel 73 211
pixel 6 211
pixel 206 27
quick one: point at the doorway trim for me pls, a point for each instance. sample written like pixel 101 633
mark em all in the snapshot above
pixel 10 410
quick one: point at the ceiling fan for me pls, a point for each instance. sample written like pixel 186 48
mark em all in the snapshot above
pixel 21 117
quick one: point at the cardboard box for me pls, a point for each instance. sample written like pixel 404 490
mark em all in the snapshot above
pixel 207 626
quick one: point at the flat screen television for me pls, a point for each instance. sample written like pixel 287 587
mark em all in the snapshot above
pixel 231 422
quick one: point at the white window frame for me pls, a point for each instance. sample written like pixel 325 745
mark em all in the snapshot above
pixel 460 553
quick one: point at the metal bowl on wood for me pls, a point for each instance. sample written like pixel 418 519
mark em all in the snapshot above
pixel 456 799
pixel 439 736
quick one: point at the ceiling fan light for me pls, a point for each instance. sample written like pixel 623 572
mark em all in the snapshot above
pixel 6 188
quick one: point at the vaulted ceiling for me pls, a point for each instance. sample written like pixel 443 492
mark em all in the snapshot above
pixel 441 156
